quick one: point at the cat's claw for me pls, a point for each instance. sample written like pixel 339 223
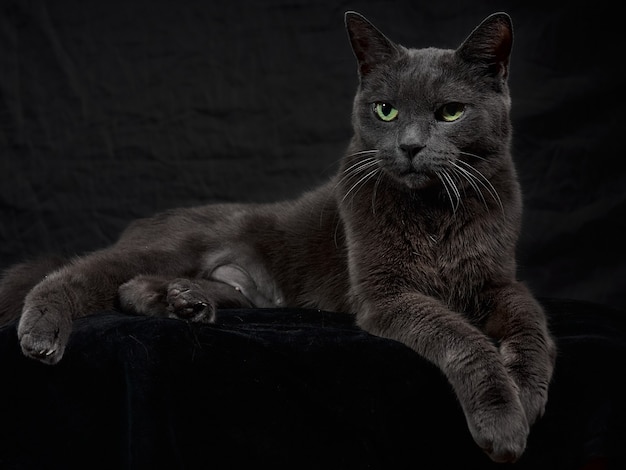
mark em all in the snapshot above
pixel 42 335
pixel 187 302
pixel 33 346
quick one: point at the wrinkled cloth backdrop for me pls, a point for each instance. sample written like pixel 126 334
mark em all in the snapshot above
pixel 114 110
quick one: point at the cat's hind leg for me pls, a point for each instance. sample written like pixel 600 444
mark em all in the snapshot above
pixel 187 299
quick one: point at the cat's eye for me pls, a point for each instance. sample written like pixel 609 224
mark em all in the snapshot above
pixel 385 111
pixel 450 112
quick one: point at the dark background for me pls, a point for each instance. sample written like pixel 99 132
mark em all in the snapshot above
pixel 113 110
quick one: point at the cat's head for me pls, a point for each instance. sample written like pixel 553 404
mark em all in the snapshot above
pixel 434 116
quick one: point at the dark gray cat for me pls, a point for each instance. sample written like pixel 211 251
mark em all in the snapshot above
pixel 416 235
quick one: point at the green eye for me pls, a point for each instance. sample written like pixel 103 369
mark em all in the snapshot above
pixel 385 112
pixel 450 112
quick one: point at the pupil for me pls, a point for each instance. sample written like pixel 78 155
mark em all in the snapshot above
pixel 385 108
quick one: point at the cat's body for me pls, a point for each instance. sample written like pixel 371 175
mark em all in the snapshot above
pixel 415 235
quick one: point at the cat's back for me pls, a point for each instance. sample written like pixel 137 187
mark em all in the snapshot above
pixel 173 225
pixel 281 223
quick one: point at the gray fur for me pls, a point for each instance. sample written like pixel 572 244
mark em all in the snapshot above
pixel 415 235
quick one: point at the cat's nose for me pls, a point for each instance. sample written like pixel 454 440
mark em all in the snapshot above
pixel 411 150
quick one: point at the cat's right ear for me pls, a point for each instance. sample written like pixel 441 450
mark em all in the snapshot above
pixel 370 46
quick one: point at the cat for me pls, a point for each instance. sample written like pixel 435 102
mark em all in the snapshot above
pixel 415 235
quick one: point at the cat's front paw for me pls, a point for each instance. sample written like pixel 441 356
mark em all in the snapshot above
pixel 43 334
pixel 187 301
pixel 501 432
pixel 532 376
pixel 534 400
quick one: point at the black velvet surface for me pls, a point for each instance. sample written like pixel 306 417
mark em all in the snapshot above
pixel 289 389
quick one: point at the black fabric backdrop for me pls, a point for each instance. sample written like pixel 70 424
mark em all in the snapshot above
pixel 112 110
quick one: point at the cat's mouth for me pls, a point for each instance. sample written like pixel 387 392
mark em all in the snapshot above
pixel 414 179
pixel 412 175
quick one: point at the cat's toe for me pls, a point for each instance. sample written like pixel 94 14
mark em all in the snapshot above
pixel 186 301
pixel 501 435
pixel 42 346
pixel 41 336
pixel 41 350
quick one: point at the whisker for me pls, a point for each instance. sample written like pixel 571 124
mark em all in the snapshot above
pixel 351 172
pixel 380 175
pixel 360 182
pixel 355 154
pixel 484 182
pixel 469 154
pixel 338 221
pixel 356 179
pixel 355 172
pixel 445 186
pixel 454 189
pixel 362 152
pixel 471 179
pixel 358 166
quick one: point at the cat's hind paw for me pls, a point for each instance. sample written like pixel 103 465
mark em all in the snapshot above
pixel 187 301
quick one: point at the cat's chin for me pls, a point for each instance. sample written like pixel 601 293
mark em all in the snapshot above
pixel 414 181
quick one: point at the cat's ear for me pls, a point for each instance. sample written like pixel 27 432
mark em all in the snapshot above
pixel 369 45
pixel 490 45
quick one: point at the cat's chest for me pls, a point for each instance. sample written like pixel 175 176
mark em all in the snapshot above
pixel 428 249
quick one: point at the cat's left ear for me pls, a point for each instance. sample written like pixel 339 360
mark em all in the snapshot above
pixel 370 46
pixel 490 45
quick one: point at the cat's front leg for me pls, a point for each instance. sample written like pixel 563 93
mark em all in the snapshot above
pixel 46 320
pixel 518 322
pixel 82 287
pixel 469 360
